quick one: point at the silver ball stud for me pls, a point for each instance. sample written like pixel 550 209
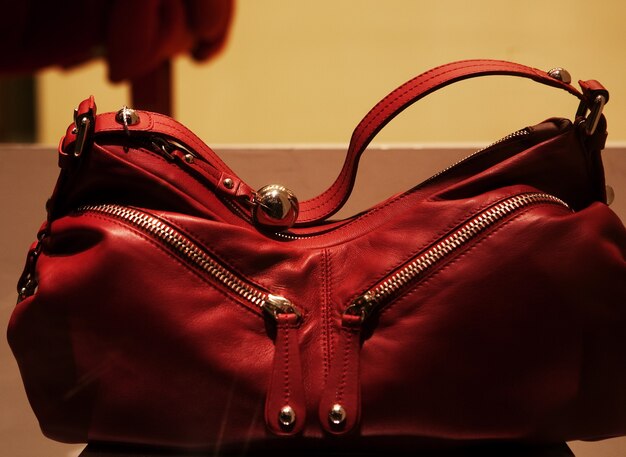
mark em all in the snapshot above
pixel 127 116
pixel 275 208
pixel 560 74
pixel 286 417
pixel 337 415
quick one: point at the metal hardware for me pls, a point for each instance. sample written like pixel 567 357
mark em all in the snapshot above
pixel 81 137
pixel 362 306
pixel 337 415
pixel 166 147
pixel 275 207
pixel 275 305
pixel 228 183
pixel 418 267
pixel 28 289
pixel 610 195
pixel 287 417
pixel 28 283
pixel 162 146
pixel 560 74
pixel 595 112
pixel 517 134
pixel 127 116
pixel 195 255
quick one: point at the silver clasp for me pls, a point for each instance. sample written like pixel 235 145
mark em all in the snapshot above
pixel 275 305
pixel 82 126
pixel 595 112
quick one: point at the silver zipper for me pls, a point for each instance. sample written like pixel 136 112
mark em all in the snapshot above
pixel 271 304
pixel 381 294
pixel 290 236
pixel 519 133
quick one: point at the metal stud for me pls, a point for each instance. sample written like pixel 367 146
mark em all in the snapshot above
pixel 127 116
pixel 560 74
pixel 287 417
pixel 189 158
pixel 337 415
pixel 228 183
pixel 275 207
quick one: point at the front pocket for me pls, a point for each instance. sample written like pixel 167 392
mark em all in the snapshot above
pixel 285 402
pixel 339 409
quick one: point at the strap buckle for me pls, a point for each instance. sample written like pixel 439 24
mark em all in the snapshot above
pixel 595 112
pixel 84 124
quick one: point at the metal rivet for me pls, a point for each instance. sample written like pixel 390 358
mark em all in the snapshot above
pixel 189 158
pixel 560 74
pixel 610 195
pixel 127 116
pixel 228 183
pixel 337 415
pixel 287 417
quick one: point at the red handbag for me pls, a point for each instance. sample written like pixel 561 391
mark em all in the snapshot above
pixel 167 303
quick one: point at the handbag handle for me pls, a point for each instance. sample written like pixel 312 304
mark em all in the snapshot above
pixel 331 200
pixel 87 125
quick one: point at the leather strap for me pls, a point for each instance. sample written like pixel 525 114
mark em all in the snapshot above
pixel 211 168
pixel 330 201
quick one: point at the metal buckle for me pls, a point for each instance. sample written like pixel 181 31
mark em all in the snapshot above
pixel 595 112
pixel 81 136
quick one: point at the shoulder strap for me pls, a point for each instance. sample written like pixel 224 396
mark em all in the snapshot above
pixel 87 125
pixel 331 200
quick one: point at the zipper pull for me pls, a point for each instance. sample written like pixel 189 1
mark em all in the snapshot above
pixel 363 306
pixel 340 408
pixel 285 405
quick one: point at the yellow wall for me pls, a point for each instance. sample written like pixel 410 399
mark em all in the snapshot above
pixel 306 71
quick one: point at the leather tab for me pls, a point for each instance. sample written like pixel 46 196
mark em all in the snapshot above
pixel 592 88
pixel 87 107
pixel 285 406
pixel 340 407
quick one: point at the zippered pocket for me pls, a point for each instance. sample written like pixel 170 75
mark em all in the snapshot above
pixel 285 402
pixel 340 406
pixel 191 253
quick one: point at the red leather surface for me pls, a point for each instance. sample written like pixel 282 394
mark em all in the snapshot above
pixel 516 336
pixel 285 386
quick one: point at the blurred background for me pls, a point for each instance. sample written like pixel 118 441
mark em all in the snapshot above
pixel 279 73
pixel 306 71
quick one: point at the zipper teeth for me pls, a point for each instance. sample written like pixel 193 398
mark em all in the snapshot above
pixel 184 247
pixel 519 133
pixel 456 240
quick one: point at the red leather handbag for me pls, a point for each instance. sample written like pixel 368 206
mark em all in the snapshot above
pixel 168 303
